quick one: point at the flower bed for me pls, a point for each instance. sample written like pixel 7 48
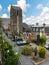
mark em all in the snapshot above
pixel 37 55
pixel 26 50
pixel 37 60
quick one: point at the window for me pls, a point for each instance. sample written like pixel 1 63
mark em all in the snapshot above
pixel 33 29
pixel 36 29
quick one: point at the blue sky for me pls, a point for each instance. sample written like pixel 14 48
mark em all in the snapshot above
pixel 33 10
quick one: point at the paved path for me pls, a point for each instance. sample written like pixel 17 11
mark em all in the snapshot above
pixel 0 55
pixel 45 63
pixel 24 59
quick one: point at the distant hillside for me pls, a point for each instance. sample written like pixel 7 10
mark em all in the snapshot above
pixel 25 25
pixel 6 21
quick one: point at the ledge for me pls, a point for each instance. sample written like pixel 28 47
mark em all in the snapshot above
pixel 37 63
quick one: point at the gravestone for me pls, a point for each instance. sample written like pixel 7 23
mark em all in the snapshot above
pixel 38 39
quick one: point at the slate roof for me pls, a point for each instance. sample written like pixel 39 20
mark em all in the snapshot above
pixel 47 25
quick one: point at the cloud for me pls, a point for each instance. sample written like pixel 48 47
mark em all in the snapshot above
pixel 30 20
pixel 42 18
pixel 39 6
pixel 4 15
pixel 23 4
pixel 44 11
pixel 9 7
pixel 23 15
pixel 0 7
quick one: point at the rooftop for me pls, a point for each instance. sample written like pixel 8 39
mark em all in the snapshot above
pixel 16 7
pixel 47 25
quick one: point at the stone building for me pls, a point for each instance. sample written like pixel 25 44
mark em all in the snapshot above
pixel 15 19
pixel 40 28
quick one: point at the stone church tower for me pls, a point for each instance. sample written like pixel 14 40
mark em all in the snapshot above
pixel 15 19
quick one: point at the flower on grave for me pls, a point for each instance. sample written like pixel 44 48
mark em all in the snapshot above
pixel 8 51
pixel 16 53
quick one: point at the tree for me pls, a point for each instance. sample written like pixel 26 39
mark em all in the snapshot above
pixel 37 23
pixel 44 24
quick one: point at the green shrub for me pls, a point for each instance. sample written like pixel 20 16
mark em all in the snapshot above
pixel 26 50
pixel 43 39
pixel 33 40
pixel 6 45
pixel 42 51
pixel 8 53
pixel 10 57
pixel 14 44
pixel 12 60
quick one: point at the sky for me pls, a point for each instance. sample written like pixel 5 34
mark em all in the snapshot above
pixel 33 11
